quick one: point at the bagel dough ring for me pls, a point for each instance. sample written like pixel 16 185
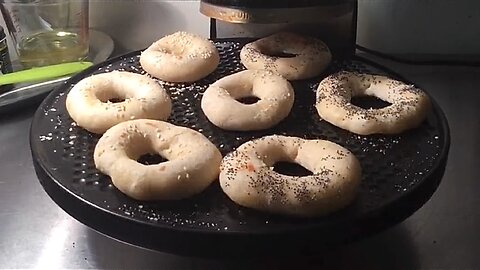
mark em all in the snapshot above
pixel 247 176
pixel 276 96
pixel 89 106
pixel 409 105
pixel 193 161
pixel 312 56
pixel 180 57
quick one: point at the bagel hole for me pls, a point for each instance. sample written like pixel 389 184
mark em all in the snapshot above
pixel 369 102
pixel 110 97
pixel 115 100
pixel 151 159
pixel 248 100
pixel 291 169
pixel 279 54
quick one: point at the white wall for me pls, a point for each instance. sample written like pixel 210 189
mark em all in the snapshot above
pixel 136 24
pixel 420 26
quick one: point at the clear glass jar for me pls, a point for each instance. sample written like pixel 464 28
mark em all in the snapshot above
pixel 47 32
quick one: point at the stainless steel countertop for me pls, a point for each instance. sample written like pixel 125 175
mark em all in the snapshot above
pixel 444 234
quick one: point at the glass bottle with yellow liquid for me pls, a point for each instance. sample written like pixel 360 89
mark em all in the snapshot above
pixel 47 32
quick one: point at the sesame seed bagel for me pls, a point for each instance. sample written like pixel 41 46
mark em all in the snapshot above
pixel 193 161
pixel 220 105
pixel 408 109
pixel 180 57
pixel 88 102
pixel 247 176
pixel 311 56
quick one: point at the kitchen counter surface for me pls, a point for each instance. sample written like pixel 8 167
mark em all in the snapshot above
pixel 443 234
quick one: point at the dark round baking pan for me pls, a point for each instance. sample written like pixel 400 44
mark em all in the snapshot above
pixel 400 173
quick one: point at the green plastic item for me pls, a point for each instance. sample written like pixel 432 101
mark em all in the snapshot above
pixel 44 73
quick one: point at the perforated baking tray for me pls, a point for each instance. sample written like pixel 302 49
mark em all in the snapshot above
pixel 400 173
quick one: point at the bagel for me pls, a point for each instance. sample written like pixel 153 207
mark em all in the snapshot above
pixel 88 102
pixel 219 102
pixel 311 56
pixel 193 161
pixel 408 109
pixel 247 176
pixel 180 57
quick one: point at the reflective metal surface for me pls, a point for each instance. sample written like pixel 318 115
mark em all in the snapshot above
pixel 276 15
pixel 35 233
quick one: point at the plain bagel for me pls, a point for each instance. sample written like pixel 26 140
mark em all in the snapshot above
pixel 88 103
pixel 408 109
pixel 180 57
pixel 193 161
pixel 247 176
pixel 311 56
pixel 220 105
